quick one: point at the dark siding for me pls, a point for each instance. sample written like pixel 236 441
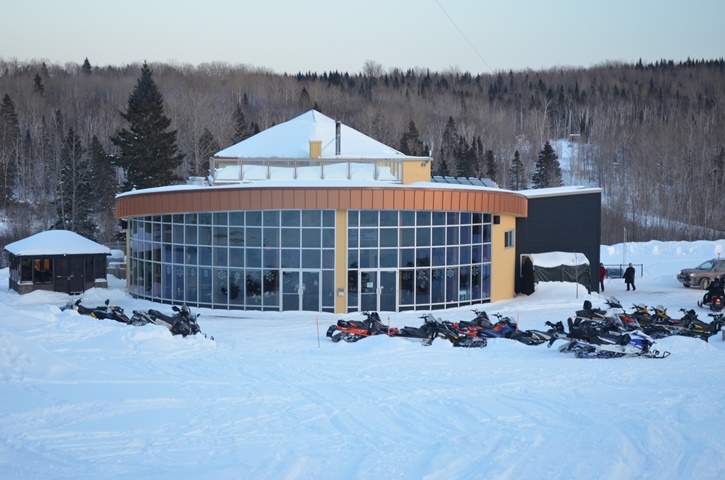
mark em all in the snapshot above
pixel 566 223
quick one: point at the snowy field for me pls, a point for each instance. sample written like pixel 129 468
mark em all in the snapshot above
pixel 88 399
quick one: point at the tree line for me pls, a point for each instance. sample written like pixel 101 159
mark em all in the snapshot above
pixel 651 136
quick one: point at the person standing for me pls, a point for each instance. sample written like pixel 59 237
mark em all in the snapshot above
pixel 629 277
pixel 602 275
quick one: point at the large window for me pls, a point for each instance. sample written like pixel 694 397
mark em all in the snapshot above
pixel 442 259
pixel 235 260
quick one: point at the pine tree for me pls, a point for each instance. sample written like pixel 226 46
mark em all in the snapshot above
pixel 148 150
pixel 242 129
pixel 517 174
pixel 491 170
pixel 74 202
pixel 447 163
pixel 410 143
pixel 38 86
pixel 9 148
pixel 86 68
pixel 548 171
pixel 208 146
pixel 104 176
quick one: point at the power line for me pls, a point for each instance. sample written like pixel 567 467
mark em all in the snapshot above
pixel 464 36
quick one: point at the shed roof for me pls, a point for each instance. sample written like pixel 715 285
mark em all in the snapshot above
pixel 56 242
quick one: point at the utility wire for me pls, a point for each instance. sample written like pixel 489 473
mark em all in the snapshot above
pixel 464 36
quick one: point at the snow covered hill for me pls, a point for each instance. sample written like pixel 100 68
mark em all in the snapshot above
pixel 269 398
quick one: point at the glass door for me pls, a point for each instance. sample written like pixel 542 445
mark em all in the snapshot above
pixel 378 290
pixel 301 290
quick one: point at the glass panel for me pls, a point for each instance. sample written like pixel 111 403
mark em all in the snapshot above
pixel 291 237
pixel 220 218
pixel 311 238
pixel 220 236
pixel 204 235
pixel 220 289
pixel 452 218
pixel 476 254
pixel 328 238
pixel 236 294
pixel 205 285
pixel 352 238
pixel 439 236
pixel 253 288
pixel 179 254
pixel 191 256
pixel 388 218
pixel 368 258
pixel 465 218
pixel 464 284
pixel 204 219
pixel 254 237
pixel 407 218
pixel 352 259
pixel 220 256
pixel 236 218
pixel 388 293
pixel 452 256
pixel 407 237
pixel 453 236
pixel 422 257
pixel 290 258
pixel 328 289
pixel 423 218
pixel 352 218
pixel 368 291
pixel 422 286
pixel 190 282
pixel 236 257
pixel 291 218
pixel 311 218
pixel 407 287
pixel 407 257
pixel 476 282
pixel 204 255
pixel 254 257
pixel 388 258
pixel 388 237
pixel 451 285
pixel 311 291
pixel 352 290
pixel 271 237
pixel 465 254
pixel 439 218
pixel 423 237
pixel 368 237
pixel 271 258
pixel 438 257
pixel 191 219
pixel 465 235
pixel 438 284
pixel 311 258
pixel 368 218
pixel 271 218
pixel 290 290
pixel 271 288
pixel 328 218
pixel 236 236
pixel 328 259
pixel 253 219
pixel 190 234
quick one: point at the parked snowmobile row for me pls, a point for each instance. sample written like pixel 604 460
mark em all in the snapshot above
pixel 181 322
pixel 592 332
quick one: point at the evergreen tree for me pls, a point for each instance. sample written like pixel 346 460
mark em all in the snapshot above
pixel 86 67
pixel 104 177
pixel 208 146
pixel 517 174
pixel 242 129
pixel 75 200
pixel 447 163
pixel 410 143
pixel 148 150
pixel 9 148
pixel 38 86
pixel 491 170
pixel 548 171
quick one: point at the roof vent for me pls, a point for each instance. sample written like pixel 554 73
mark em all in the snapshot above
pixel 338 128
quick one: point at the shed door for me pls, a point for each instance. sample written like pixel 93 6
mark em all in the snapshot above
pixel 69 275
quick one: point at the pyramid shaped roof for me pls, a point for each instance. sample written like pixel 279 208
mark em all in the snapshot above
pixel 56 242
pixel 292 140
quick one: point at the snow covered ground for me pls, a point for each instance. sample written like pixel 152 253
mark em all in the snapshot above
pixel 87 399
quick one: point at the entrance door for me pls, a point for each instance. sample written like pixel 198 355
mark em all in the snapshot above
pixel 69 276
pixel 378 291
pixel 301 290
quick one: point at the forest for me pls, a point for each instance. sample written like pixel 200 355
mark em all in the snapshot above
pixel 650 135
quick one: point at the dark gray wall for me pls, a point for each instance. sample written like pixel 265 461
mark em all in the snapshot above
pixel 564 223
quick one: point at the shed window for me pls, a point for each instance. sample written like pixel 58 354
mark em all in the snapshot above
pixel 42 270
pixel 26 270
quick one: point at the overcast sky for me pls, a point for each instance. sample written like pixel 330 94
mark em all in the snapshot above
pixel 479 36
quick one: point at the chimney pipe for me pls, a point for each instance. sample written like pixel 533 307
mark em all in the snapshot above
pixel 338 127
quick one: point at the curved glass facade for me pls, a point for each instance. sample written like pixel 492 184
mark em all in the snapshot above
pixel 285 259
pixel 419 260
pixel 250 260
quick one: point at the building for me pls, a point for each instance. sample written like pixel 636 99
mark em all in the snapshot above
pixel 313 215
pixel 57 261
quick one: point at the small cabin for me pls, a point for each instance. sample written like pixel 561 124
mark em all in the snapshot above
pixel 57 261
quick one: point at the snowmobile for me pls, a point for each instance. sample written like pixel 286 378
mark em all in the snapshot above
pixel 433 328
pixel 354 330
pixel 694 327
pixel 715 303
pixel 629 344
pixel 182 322
pixel 102 312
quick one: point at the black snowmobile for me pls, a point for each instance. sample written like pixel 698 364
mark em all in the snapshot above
pixel 433 328
pixel 182 322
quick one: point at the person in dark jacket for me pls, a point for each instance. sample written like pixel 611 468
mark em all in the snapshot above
pixel 714 290
pixel 629 277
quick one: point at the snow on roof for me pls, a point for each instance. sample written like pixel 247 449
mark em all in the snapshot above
pixel 291 139
pixel 56 242
pixel 556 259
pixel 557 191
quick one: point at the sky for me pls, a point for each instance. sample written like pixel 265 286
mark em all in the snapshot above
pixel 82 398
pixel 289 36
